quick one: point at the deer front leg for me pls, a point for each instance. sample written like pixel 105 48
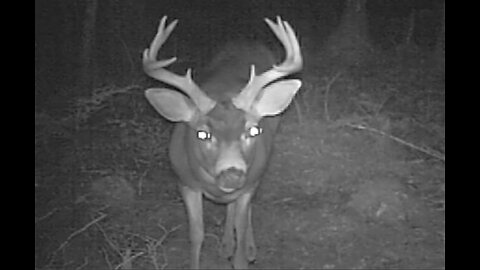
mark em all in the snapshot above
pixel 193 203
pixel 228 239
pixel 243 231
pixel 250 244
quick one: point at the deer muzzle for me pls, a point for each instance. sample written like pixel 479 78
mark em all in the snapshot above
pixel 230 169
pixel 231 179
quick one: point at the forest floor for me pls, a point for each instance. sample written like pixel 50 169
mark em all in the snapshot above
pixel 356 180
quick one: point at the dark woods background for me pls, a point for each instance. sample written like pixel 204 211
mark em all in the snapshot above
pixel 82 44
pixel 358 178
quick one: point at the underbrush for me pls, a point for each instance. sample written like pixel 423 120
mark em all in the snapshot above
pixel 399 100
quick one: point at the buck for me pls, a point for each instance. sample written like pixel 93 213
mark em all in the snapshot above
pixel 224 132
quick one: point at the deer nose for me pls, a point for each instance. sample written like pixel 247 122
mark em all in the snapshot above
pixel 230 158
pixel 231 179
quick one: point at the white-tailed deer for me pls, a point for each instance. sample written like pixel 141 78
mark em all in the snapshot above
pixel 224 132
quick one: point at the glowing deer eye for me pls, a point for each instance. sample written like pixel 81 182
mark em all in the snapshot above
pixel 204 135
pixel 254 131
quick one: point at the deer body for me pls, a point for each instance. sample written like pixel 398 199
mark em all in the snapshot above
pixel 224 132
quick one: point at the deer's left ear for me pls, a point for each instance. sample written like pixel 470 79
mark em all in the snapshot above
pixel 276 97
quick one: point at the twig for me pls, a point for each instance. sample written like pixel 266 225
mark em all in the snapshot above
pixel 75 233
pixel 424 150
pixel 298 110
pixel 109 241
pixel 46 215
pixel 283 200
pixel 126 256
pixel 107 259
pixel 153 244
pixel 85 263
pixel 328 86
pixel 127 260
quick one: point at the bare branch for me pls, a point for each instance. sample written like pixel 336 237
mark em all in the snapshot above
pixel 422 149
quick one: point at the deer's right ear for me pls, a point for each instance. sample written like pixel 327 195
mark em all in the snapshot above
pixel 171 104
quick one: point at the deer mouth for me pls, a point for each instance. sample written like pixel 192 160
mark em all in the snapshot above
pixel 230 180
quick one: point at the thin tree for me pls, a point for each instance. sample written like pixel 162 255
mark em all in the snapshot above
pixel 350 41
pixel 87 70
pixel 440 43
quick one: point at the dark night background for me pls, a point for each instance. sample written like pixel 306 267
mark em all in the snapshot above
pixel 357 180
pixel 122 29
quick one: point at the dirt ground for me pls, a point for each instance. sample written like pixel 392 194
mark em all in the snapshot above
pixel 333 198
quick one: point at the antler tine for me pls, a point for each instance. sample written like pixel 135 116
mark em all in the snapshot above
pixel 156 68
pixel 150 54
pixel 293 62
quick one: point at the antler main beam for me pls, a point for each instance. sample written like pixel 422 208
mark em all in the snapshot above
pixel 156 68
pixel 293 62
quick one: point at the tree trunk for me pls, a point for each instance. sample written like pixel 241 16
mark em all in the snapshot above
pixel 87 70
pixel 350 41
pixel 440 43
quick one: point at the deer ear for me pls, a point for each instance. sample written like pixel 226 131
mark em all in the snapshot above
pixel 276 97
pixel 171 104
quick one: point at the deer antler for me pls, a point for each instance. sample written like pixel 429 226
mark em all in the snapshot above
pixel 292 63
pixel 156 69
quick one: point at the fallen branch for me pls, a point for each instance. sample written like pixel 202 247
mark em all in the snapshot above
pixel 424 150
pixel 75 233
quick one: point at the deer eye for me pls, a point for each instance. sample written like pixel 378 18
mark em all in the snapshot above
pixel 254 131
pixel 204 135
